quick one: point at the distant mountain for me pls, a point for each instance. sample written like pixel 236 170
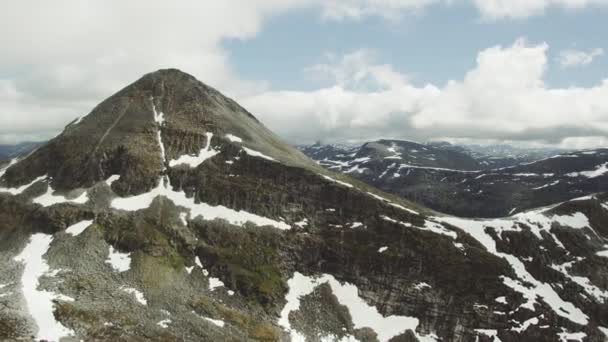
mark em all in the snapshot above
pixel 12 151
pixel 170 213
pixel 496 156
pixel 456 181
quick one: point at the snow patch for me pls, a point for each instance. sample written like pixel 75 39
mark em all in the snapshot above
pixel 215 283
pixel 78 228
pixel 356 225
pixel 206 211
pixel 139 296
pixel 476 228
pixel 489 333
pixel 525 325
pixel 422 286
pixel 255 153
pixel 576 220
pixel 380 198
pixel 217 322
pixel 302 223
pixel 21 189
pixel 120 262
pixel 194 161
pixel 39 302
pixel 600 170
pixel 234 138
pixel 600 295
pixel 546 185
pixel 501 300
pixel 363 315
pixel 48 198
pixel 569 337
pixel 164 323
pixel 112 179
pixel 11 163
pixel 337 181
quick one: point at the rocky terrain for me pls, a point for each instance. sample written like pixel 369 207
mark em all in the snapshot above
pixel 461 183
pixel 170 213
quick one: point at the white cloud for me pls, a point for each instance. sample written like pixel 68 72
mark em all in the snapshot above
pixel 502 98
pixel 60 58
pixel 358 9
pixel 518 9
pixel 489 9
pixel 573 58
pixel 357 70
pixel 63 57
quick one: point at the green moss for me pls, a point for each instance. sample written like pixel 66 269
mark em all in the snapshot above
pixel 247 259
pixel 255 329
pixel 157 271
pixel 252 271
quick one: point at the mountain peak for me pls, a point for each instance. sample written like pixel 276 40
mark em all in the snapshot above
pixel 137 132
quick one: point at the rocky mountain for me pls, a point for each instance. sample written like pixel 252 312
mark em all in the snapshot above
pixel 170 213
pixel 455 182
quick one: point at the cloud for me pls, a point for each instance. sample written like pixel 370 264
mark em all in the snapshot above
pixel 573 58
pixel 358 9
pixel 356 70
pixel 489 9
pixel 519 9
pixel 502 98
pixel 63 57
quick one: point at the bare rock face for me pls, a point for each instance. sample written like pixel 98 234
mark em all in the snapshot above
pixel 170 213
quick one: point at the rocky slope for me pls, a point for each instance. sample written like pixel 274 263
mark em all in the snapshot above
pixel 169 213
pixel 454 182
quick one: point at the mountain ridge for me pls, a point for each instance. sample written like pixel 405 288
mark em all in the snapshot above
pixel 447 184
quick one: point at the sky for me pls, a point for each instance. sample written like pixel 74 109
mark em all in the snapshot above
pixel 524 72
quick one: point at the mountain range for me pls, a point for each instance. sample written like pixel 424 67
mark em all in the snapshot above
pixel 454 180
pixel 170 213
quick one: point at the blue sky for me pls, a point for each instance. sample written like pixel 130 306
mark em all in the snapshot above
pixel 434 46
pixel 524 72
